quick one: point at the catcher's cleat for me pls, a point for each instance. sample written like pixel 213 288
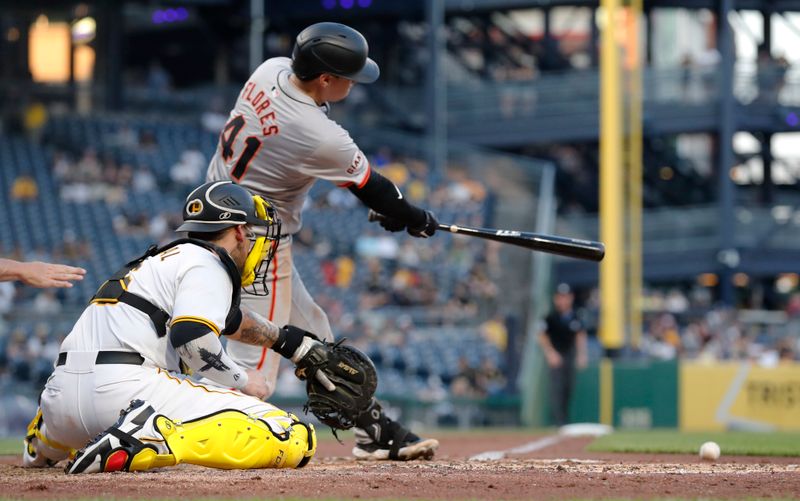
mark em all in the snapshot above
pixel 116 449
pixel 380 438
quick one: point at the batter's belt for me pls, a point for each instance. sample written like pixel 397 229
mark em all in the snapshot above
pixel 109 357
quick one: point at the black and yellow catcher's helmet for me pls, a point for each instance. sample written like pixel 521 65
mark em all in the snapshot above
pixel 219 205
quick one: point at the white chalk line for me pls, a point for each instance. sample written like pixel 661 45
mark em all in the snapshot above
pixel 522 449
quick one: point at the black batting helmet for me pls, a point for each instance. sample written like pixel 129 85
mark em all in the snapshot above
pixel 333 48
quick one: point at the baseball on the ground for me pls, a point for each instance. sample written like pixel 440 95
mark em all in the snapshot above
pixel 709 451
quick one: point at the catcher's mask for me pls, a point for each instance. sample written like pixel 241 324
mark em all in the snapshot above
pixel 219 205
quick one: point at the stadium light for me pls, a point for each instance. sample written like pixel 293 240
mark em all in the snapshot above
pixel 345 4
pixel 84 30
pixel 708 279
pixel 161 16
pixel 48 50
pixel 786 282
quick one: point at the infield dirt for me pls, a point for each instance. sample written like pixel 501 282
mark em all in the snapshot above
pixel 561 471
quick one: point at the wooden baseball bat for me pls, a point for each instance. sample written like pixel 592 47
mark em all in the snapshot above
pixel 553 244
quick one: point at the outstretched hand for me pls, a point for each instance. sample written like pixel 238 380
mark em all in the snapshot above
pixel 39 274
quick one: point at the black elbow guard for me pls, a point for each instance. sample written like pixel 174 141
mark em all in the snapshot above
pixel 182 332
pixel 382 196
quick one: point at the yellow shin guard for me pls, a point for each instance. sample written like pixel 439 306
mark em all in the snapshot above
pixel 233 440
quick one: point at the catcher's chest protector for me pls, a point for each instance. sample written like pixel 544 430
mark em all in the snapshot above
pixel 115 290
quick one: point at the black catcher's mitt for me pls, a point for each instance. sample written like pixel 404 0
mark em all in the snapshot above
pixel 353 374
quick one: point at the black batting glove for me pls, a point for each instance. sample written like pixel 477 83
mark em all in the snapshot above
pixel 392 224
pixel 426 230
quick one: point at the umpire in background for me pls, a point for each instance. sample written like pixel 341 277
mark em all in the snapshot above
pixel 563 342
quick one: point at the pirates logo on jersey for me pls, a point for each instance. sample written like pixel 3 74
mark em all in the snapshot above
pixel 194 207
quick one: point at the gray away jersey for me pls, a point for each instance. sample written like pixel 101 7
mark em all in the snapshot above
pixel 277 142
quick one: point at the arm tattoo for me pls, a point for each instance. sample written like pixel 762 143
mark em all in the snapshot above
pixel 256 330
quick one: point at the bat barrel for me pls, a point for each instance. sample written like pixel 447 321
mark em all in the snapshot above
pixel 570 247
pixel 563 246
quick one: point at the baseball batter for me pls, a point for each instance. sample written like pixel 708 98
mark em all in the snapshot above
pixel 160 315
pixel 278 141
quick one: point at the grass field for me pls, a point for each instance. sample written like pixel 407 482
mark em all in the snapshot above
pixel 10 446
pixel 734 443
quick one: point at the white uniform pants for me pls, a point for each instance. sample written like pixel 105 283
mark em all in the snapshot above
pixel 81 399
pixel 288 302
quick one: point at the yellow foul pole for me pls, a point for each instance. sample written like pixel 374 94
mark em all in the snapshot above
pixel 612 316
pixel 635 177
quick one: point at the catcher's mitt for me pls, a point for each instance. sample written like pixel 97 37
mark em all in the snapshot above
pixel 353 374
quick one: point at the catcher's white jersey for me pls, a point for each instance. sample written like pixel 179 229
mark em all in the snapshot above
pixel 277 142
pixel 187 281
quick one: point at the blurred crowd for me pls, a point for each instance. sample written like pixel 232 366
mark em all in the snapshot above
pixel 28 348
pixel 480 47
pixel 684 323
pixel 27 355
pixel 687 326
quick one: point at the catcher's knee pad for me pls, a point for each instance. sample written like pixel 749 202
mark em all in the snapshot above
pixel 39 451
pixel 231 439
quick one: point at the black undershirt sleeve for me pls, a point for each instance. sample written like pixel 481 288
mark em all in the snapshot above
pixel 382 196
pixel 183 332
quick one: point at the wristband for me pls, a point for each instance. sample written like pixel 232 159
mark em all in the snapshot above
pixel 289 339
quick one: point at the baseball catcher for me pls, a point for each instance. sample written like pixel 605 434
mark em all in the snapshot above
pixel 163 314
